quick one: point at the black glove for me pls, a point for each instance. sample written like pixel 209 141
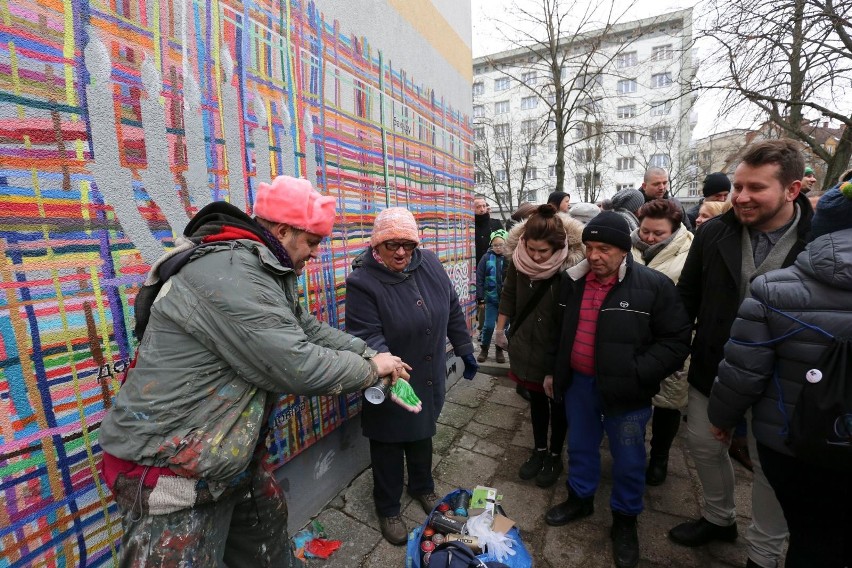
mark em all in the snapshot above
pixel 470 366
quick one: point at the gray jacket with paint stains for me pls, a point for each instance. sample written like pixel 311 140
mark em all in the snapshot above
pixel 226 334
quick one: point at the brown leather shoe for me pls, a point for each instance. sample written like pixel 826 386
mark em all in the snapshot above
pixel 428 501
pixel 393 529
pixel 483 354
pixel 499 357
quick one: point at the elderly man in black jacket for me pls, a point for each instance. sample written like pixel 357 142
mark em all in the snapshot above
pixel 765 230
pixel 624 330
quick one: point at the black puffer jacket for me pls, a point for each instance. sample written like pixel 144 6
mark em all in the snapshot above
pixel 642 335
pixel 817 289
pixel 709 287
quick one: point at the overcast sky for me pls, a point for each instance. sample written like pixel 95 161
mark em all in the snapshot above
pixel 487 38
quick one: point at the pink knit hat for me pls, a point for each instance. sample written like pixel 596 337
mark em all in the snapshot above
pixel 394 223
pixel 295 202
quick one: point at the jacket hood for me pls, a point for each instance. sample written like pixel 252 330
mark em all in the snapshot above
pixel 829 259
pixel 574 230
pixel 211 219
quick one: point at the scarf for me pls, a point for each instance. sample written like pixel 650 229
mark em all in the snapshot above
pixel 649 251
pixel 276 247
pixel 534 270
pixel 773 261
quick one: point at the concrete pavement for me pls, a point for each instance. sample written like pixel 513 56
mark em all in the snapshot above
pixel 484 435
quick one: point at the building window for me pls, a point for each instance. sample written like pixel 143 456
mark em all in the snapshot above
pixel 551 146
pixel 478 155
pixel 583 155
pixel 529 127
pixel 661 52
pixel 659 161
pixel 478 111
pixel 501 107
pixel 628 59
pixel 625 138
pixel 479 88
pixel 528 103
pixel 661 108
pixel 533 149
pixel 501 129
pixel 661 134
pixel 620 186
pixel 502 152
pixel 479 133
pixel 625 164
pixel 661 80
pixel 585 180
pixel 551 171
pixel 530 78
pixel 626 86
pixel 627 111
pixel 500 175
pixel 551 98
pixel 692 188
pixel 532 173
pixel 479 177
pixel 501 84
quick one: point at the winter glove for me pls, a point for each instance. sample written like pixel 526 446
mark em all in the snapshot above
pixel 500 339
pixel 470 366
pixel 404 395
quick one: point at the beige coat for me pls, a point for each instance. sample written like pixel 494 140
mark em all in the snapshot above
pixel 674 389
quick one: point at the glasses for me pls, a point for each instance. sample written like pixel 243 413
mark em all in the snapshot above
pixel 393 246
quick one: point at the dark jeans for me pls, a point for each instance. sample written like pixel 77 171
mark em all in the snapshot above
pixel 389 461
pixel 545 414
pixel 817 504
pixel 664 425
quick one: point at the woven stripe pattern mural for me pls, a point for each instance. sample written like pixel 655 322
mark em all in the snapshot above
pixel 119 120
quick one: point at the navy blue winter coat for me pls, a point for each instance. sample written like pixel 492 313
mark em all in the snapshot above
pixel 411 314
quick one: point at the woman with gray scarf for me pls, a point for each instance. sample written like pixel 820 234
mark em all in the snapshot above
pixel 662 242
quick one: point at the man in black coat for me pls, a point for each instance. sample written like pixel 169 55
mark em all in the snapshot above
pixel 484 225
pixel 765 230
pixel 716 187
pixel 655 185
pixel 624 330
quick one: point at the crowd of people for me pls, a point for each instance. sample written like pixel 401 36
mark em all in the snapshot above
pixel 612 317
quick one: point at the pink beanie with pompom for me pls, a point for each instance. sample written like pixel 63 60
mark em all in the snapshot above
pixel 294 201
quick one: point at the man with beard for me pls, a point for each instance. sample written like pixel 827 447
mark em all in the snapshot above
pixel 765 230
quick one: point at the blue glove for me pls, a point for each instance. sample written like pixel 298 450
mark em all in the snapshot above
pixel 470 366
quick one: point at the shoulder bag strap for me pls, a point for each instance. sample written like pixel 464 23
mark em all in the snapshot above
pixel 530 306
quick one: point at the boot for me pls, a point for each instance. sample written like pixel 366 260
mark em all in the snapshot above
pixel 522 391
pixel 483 354
pixel 625 540
pixel 550 470
pixel 532 466
pixel 658 469
pixel 701 532
pixel 393 529
pixel 499 357
pixel 570 510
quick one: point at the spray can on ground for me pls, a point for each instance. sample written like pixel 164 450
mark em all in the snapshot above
pixel 461 503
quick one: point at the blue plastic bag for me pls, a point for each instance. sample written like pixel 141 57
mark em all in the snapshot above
pixel 521 558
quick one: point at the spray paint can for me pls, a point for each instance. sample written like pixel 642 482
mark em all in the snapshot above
pixel 377 393
pixel 470 541
pixel 444 524
pixel 443 507
pixel 438 538
pixel 428 532
pixel 462 502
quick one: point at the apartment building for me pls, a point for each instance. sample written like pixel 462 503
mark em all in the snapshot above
pixel 629 108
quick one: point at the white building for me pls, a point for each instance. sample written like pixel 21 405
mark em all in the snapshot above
pixel 628 88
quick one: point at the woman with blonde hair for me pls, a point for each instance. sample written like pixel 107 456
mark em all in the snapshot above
pixel 710 209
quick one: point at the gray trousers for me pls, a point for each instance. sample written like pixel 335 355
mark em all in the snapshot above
pixel 247 529
pixel 768 529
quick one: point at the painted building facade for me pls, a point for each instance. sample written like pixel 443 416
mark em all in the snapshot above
pixel 119 120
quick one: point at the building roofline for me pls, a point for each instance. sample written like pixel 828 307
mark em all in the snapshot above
pixel 511 54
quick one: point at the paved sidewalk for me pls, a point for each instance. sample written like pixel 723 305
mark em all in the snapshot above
pixel 484 435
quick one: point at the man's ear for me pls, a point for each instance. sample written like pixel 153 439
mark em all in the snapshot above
pixel 793 190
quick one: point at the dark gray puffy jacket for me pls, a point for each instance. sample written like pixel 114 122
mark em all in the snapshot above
pixel 817 289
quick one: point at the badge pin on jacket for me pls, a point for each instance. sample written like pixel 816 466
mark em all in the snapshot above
pixel 813 376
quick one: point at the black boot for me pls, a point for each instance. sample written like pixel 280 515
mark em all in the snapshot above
pixel 521 390
pixel 625 540
pixel 571 510
pixel 658 469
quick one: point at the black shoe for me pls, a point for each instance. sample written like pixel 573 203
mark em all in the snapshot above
pixel 571 510
pixel 549 471
pixel 525 394
pixel 702 531
pixel 658 469
pixel 752 564
pixel 532 466
pixel 625 540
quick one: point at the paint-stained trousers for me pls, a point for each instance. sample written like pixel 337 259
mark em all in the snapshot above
pixel 247 529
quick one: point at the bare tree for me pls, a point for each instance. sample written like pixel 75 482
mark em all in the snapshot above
pixel 570 46
pixel 791 59
pixel 503 164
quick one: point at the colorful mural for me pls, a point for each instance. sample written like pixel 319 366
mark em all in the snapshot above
pixel 119 120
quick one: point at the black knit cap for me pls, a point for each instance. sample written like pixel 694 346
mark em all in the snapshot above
pixel 555 198
pixel 715 183
pixel 608 227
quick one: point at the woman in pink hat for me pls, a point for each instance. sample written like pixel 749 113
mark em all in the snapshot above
pixel 400 299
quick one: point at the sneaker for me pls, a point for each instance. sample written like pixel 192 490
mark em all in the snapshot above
pixel 393 529
pixel 499 357
pixel 550 470
pixel 427 501
pixel 533 466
